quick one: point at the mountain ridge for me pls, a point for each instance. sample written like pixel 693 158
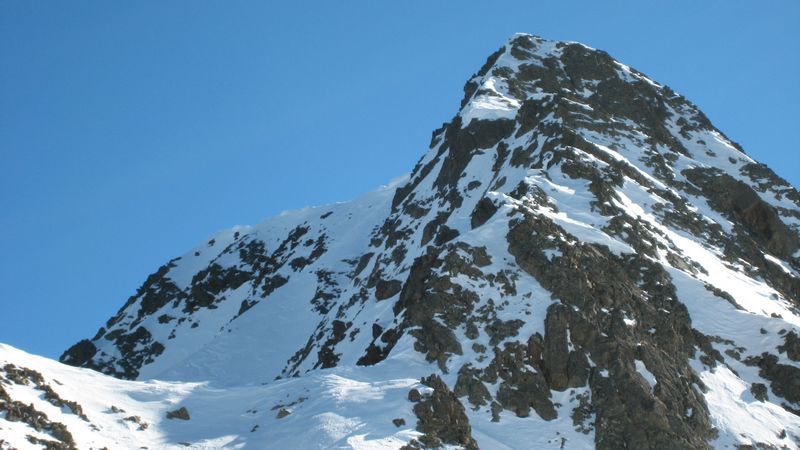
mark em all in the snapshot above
pixel 579 249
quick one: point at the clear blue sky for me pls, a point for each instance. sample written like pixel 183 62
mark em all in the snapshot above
pixel 131 131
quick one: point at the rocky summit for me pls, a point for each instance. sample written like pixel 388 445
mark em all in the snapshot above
pixel 580 260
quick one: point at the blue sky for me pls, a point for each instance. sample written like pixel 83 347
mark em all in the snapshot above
pixel 131 131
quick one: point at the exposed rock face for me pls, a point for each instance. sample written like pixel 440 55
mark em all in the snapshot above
pixel 18 411
pixel 740 201
pixel 628 413
pixel 579 241
pixel 441 418
pixel 181 413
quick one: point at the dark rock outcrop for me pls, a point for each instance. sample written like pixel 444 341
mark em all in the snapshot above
pixel 441 419
pixel 181 413
pixel 587 279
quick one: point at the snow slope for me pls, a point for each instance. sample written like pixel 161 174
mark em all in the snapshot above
pixel 331 409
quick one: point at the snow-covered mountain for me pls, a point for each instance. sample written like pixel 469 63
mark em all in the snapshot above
pixel 580 260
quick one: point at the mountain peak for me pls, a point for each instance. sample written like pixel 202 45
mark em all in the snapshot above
pixel 580 258
pixel 528 67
